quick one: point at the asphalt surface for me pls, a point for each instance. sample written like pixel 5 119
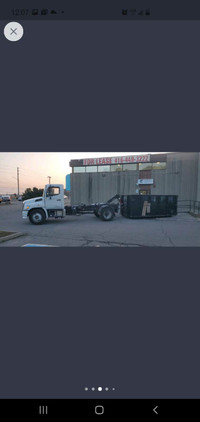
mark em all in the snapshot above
pixel 89 231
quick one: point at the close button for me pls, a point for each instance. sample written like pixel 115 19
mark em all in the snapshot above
pixel 99 410
pixel 13 31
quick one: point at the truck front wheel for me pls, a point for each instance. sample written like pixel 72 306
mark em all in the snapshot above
pixel 37 217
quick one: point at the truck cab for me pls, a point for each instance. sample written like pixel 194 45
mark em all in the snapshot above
pixel 51 204
pixel 54 197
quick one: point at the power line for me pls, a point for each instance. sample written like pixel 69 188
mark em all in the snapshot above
pixel 6 167
pixel 6 170
pixel 33 171
pixel 28 170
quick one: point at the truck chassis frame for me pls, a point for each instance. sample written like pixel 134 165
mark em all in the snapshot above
pixel 105 210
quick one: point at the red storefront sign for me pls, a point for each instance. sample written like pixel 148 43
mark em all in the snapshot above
pixel 128 159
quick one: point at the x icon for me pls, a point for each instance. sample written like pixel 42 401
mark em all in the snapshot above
pixel 13 31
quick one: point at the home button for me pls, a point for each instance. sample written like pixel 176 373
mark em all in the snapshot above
pixel 99 410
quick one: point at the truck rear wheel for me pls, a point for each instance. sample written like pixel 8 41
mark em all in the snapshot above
pixel 106 213
pixel 37 217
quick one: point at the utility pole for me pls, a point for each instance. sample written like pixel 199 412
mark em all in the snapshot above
pixel 49 177
pixel 18 181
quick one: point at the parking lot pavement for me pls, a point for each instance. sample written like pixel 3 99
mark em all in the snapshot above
pixel 89 231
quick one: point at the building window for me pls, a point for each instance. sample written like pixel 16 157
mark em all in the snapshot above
pixel 159 166
pixel 117 167
pixel 145 166
pixel 102 169
pixel 152 166
pixel 129 166
pixel 91 169
pixel 79 169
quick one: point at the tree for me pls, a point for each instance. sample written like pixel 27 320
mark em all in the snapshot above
pixel 32 193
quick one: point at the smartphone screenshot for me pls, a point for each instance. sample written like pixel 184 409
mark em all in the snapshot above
pixel 99 209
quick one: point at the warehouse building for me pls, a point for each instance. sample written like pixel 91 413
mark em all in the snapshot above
pixel 98 179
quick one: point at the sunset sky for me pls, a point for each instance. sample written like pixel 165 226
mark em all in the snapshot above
pixel 34 167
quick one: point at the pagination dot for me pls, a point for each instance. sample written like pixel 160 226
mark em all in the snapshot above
pixel 100 388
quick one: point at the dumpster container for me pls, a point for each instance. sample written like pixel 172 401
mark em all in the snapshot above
pixel 148 206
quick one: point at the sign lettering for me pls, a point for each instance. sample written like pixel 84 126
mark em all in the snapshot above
pixel 129 159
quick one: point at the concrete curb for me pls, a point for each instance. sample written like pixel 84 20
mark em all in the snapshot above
pixel 194 215
pixel 11 236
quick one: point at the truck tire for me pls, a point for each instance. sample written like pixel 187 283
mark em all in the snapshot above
pixel 106 213
pixel 37 217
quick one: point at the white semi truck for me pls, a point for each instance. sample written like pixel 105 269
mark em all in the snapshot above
pixel 51 204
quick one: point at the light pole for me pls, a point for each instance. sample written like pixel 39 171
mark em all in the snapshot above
pixel 18 181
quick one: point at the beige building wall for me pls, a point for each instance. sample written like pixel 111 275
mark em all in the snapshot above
pixel 181 177
pixel 198 177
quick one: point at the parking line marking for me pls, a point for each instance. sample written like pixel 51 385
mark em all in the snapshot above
pixel 34 245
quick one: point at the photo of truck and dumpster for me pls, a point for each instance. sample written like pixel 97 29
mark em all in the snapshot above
pixel 105 200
